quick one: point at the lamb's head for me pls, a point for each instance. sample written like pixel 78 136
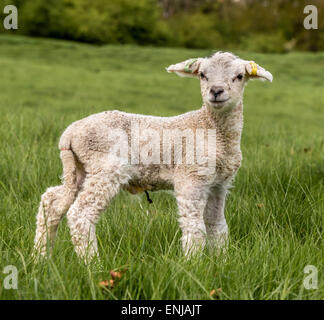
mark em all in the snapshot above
pixel 222 77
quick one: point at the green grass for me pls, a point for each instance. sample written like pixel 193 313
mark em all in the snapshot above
pixel 274 212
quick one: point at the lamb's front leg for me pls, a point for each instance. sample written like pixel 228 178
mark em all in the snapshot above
pixel 191 200
pixel 216 226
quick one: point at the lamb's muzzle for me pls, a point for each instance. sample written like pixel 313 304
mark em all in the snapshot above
pixel 93 173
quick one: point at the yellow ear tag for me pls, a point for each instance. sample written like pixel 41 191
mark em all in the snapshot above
pixel 254 66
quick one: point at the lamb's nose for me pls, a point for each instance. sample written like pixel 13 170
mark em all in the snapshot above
pixel 216 91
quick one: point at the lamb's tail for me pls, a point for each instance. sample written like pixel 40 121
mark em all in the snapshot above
pixel 69 162
pixel 69 173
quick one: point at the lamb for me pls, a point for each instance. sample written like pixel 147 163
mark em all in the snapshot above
pixel 105 153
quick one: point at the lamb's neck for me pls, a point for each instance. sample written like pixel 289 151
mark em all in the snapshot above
pixel 229 125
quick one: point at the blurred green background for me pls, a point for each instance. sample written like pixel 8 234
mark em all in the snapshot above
pixel 253 25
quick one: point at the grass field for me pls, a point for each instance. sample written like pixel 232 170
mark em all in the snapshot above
pixel 275 211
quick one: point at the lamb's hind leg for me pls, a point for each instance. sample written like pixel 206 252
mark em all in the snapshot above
pixel 56 201
pixel 97 191
pixel 54 204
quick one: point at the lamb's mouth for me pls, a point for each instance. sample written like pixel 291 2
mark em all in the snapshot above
pixel 218 103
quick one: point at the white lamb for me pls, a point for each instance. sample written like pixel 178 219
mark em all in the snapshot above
pixel 94 170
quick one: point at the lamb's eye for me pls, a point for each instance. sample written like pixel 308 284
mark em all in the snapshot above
pixel 202 76
pixel 239 77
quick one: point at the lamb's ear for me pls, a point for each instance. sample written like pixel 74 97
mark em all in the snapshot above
pixel 188 68
pixel 256 72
